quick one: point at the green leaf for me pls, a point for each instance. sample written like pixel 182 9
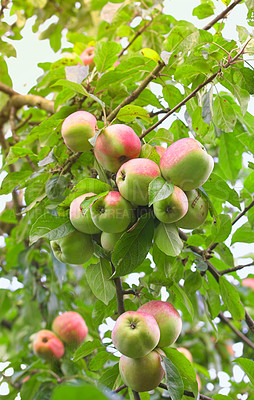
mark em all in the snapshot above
pixel 87 348
pixel 248 367
pixel 132 248
pixel 110 377
pixel 183 299
pixel 87 203
pixel 87 392
pixel 207 109
pixel 50 227
pixel 221 230
pixel 226 2
pixel 230 155
pixel 130 113
pixel 172 95
pixel 231 299
pixel 7 49
pixel 224 116
pixel 168 240
pixel 173 379
pixel 243 234
pixel 13 180
pixel 218 188
pixel 106 54
pixel 97 276
pixel 204 10
pixel 213 300
pixel 55 187
pixel 99 360
pixel 159 189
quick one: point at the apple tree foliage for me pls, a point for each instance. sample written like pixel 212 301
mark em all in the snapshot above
pixel 200 81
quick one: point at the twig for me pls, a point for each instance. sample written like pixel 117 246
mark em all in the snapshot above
pixel 69 163
pixel 187 393
pixel 119 293
pixel 136 395
pixel 119 389
pixel 243 212
pixel 237 268
pixel 237 332
pixel 138 33
pixel 222 15
pixel 134 95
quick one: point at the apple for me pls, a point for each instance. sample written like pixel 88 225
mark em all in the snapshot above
pixel 111 213
pixel 199 382
pixel 142 374
pixel 70 327
pixel 186 164
pixel 186 353
pixel 160 150
pixel 77 128
pixel 87 55
pixel 135 334
pixel 248 282
pixel 171 209
pixel 154 153
pixel 167 318
pixel 108 240
pixel 134 177
pixel 115 145
pixel 75 248
pixel 46 345
pixel 82 222
pixel 197 211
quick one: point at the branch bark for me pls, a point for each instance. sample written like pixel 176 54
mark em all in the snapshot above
pixel 236 331
pixel 187 393
pixel 237 268
pixel 119 293
pixel 243 212
pixel 222 15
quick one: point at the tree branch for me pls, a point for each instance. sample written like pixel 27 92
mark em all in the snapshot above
pixel 137 34
pixel 222 15
pixel 236 331
pixel 187 393
pixel 136 395
pixel 134 95
pixel 243 212
pixel 237 268
pixel 119 293
pixel 119 389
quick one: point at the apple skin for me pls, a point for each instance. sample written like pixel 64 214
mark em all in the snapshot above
pixel 108 240
pixel 172 208
pixel 77 128
pixel 186 164
pixel 82 223
pixel 75 248
pixel 135 334
pixel 248 282
pixel 111 213
pixel 134 177
pixel 167 318
pixel 70 327
pixel 46 345
pixel 115 145
pixel 87 55
pixel 197 211
pixel 160 150
pixel 186 353
pixel 142 374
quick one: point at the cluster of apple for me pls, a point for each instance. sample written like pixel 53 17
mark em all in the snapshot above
pixel 139 336
pixel 68 327
pixel 185 164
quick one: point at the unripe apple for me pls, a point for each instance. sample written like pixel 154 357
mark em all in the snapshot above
pixel 77 128
pixel 135 334
pixel 87 55
pixel 134 177
pixel 186 353
pixel 197 211
pixel 70 327
pixel 167 318
pixel 186 164
pixel 75 248
pixel 46 345
pixel 171 209
pixel 81 222
pixel 115 145
pixel 142 374
pixel 108 240
pixel 111 213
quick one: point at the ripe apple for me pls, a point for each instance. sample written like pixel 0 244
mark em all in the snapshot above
pixel 81 222
pixel 186 164
pixel 160 150
pixel 197 211
pixel 115 145
pixel 142 374
pixel 133 179
pixel 87 55
pixel 111 213
pixel 75 248
pixel 248 282
pixel 46 345
pixel 171 209
pixel 77 128
pixel 70 327
pixel 108 240
pixel 186 353
pixel 167 318
pixel 135 334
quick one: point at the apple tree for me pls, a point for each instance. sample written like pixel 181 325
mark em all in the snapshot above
pixel 142 113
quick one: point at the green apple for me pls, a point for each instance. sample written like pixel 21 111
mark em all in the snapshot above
pixel 167 318
pixel 77 128
pixel 115 145
pixel 134 177
pixel 135 334
pixel 75 248
pixel 70 327
pixel 108 240
pixel 197 211
pixel 171 209
pixel 82 222
pixel 142 374
pixel 186 164
pixel 111 213
pixel 46 345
